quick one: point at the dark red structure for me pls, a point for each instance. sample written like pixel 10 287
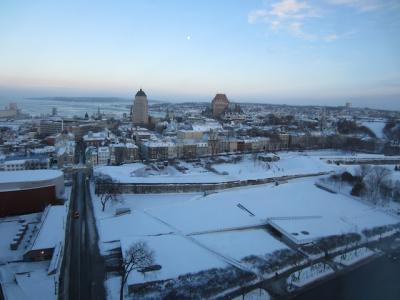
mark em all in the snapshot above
pixel 19 202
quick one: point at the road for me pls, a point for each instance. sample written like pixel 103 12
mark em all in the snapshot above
pixel 376 280
pixel 84 271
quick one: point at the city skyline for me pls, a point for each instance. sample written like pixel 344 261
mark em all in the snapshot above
pixel 289 52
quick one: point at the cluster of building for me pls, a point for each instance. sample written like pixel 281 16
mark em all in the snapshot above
pixel 165 131
pixel 189 131
pixel 57 151
pixel 9 112
pixel 48 149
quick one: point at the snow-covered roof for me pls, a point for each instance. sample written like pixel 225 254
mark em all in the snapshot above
pixel 22 281
pixel 207 126
pixel 15 162
pixel 46 149
pixel 51 227
pixel 29 175
pixel 94 136
pixel 103 149
pixel 177 256
pixel 131 145
pixel 154 144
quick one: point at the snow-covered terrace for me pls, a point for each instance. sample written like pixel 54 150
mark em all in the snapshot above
pixel 289 164
pixel 176 255
pixel 220 233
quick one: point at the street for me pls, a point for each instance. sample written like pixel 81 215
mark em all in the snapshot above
pixel 84 271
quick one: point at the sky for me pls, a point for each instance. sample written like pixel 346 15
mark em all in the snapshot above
pixel 324 52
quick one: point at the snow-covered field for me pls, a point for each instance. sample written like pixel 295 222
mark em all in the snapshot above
pixel 298 198
pixel 224 228
pixel 376 127
pixel 221 233
pixel 219 211
pixel 240 243
pixel 176 254
pixel 290 163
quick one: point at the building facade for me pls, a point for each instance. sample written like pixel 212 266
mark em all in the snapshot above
pixel 140 109
pixel 219 105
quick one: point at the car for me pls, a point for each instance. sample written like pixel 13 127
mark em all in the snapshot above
pixel 76 215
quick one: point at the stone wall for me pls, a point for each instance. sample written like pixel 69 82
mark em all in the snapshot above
pixel 148 188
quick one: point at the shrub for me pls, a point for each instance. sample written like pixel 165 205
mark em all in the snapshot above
pixel 347 177
pixel 357 189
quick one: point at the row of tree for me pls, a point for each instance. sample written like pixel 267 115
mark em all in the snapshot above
pixel 372 183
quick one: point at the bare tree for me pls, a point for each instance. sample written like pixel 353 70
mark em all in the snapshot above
pixel 363 171
pixel 107 189
pixel 213 142
pixel 375 181
pixel 396 191
pixel 139 256
pixel 254 157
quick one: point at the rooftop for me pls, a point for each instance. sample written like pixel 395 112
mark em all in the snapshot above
pixel 28 175
pixel 52 224
pixel 140 93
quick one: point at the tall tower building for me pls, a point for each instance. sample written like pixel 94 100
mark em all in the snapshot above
pixel 140 109
pixel 219 105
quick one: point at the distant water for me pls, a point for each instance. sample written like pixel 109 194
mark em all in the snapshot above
pixel 69 106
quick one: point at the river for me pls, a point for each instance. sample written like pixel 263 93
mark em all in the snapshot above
pixel 377 280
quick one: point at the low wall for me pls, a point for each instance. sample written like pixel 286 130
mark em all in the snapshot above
pixel 148 188
pixel 364 161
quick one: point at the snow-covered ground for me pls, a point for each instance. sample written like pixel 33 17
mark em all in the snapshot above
pixel 220 233
pixel 353 256
pixel 257 294
pixel 219 211
pixel 224 227
pixel 177 256
pixel 22 281
pixel 376 127
pixel 297 198
pixel 290 163
pixel 238 244
pixel 112 285
pixel 309 274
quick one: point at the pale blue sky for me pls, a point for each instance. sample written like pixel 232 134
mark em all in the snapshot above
pixel 282 51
